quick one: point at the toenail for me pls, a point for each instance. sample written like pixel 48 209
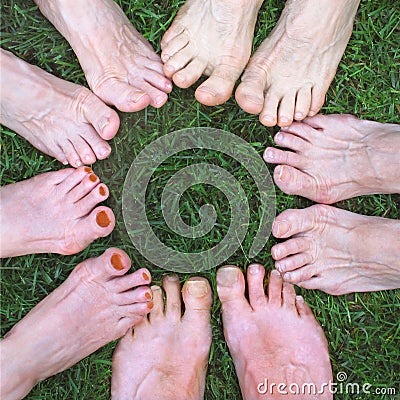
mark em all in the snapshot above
pixel 150 305
pixel 287 276
pixel 284 119
pixel 102 191
pixel 137 97
pixel 102 219
pixel 283 173
pixel 227 276
pixel 267 118
pixel 165 57
pixel 255 100
pixel 103 151
pixel 311 113
pixel 168 86
pixel 278 252
pixel 88 159
pixel 145 276
pixel 148 296
pixel 206 89
pixel 280 227
pixel 169 68
pixel 103 123
pixel 254 269
pixel 197 288
pixel 78 163
pixel 88 169
pixel 92 177
pixel 298 115
pixel 269 154
pixel 159 99
pixel 275 272
pixel 172 278
pixel 116 262
pixel 300 299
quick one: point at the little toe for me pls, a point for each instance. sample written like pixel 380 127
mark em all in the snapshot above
pixel 250 92
pixel 217 89
pixel 289 247
pixel 173 302
pixel 171 47
pixel 255 282
pixel 292 142
pixel 269 113
pixel 231 289
pixel 275 288
pixel 300 275
pixel 277 156
pixel 293 181
pixel 286 110
pixel 190 74
pixel 294 262
pixel 71 154
pixel 288 296
pixel 197 296
pixel 158 304
pixel 303 104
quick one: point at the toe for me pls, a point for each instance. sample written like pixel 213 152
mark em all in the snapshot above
pixel 174 31
pixel 157 80
pixel 292 142
pixel 158 304
pixel 138 278
pixel 277 156
pixel 100 148
pixel 317 100
pixel 255 282
pixel 197 296
pixel 303 104
pixel 217 89
pixel 178 61
pixel 231 289
pixel 303 131
pixel 71 154
pixel 83 148
pixel 269 113
pixel 139 295
pixel 157 97
pixel 171 47
pixel 96 196
pixel 250 92
pixel 289 247
pixel 286 110
pixel 87 184
pixel 275 288
pixel 300 275
pixel 288 296
pixel 294 262
pixel 303 308
pixel 173 302
pixel 190 74
pixel 72 180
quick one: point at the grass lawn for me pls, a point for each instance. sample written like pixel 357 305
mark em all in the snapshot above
pixel 362 329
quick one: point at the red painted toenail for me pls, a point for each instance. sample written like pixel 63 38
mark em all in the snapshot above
pixel 102 191
pixel 116 262
pixel 148 296
pixel 102 219
pixel 150 305
pixel 88 169
pixel 93 177
pixel 145 276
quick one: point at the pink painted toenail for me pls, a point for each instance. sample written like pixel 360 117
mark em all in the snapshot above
pixel 300 299
pixel 78 163
pixel 284 119
pixel 197 288
pixel 311 113
pixel 278 137
pixel 116 262
pixel 170 68
pixel 254 269
pixel 227 276
pixel 102 219
pixel 267 118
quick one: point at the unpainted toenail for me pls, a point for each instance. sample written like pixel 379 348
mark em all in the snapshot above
pixel 148 296
pixel 116 262
pixel 287 276
pixel 254 99
pixel 159 99
pixel 197 288
pixel 150 305
pixel 172 278
pixel 102 219
pixel 102 191
pixel 227 276
pixel 92 177
pixel 145 276
pixel 267 118
pixel 103 123
pixel 278 137
pixel 269 154
pixel 300 299
pixel 206 89
pixel 299 115
pixel 280 227
pixel 283 173
pixel 169 68
pixel 254 269
pixel 103 151
pixel 88 169
pixel 275 272
pixel 284 119
pixel 78 163
pixel 137 97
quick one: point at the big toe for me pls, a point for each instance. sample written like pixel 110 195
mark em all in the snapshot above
pixel 197 296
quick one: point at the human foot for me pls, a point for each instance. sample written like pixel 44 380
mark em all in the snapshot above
pixel 94 306
pixel 337 251
pixel 337 157
pixel 274 340
pixel 165 356
pixel 59 118
pixel 214 38
pixel 120 65
pixel 53 213
pixel 288 76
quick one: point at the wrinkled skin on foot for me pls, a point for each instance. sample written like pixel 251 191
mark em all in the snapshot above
pixel 213 38
pixel 337 157
pixel 94 306
pixel 272 338
pixel 61 119
pixel 55 212
pixel 337 251
pixel 165 356
pixel 120 65
pixel 288 76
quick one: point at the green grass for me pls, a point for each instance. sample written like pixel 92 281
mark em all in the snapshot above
pixel 362 329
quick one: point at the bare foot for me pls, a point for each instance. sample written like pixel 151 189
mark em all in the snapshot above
pixel 54 213
pixel 94 306
pixel 288 76
pixel 337 157
pixel 214 38
pixel 120 65
pixel 165 356
pixel 59 118
pixel 337 251
pixel 273 340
